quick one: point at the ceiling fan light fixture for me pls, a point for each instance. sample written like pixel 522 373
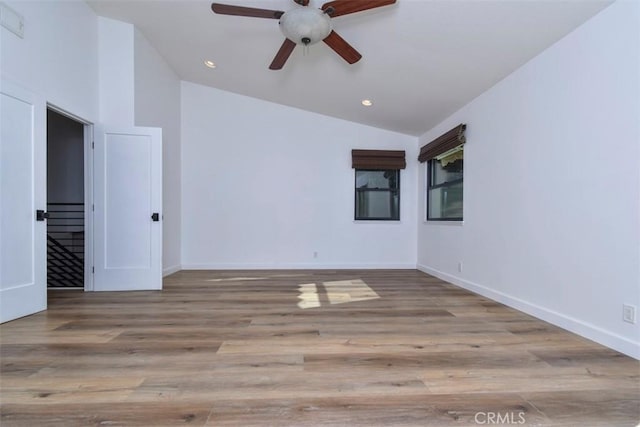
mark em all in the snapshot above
pixel 305 26
pixel 210 63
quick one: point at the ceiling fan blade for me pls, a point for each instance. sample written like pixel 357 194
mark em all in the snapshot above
pixel 282 55
pixel 344 7
pixel 227 9
pixel 342 48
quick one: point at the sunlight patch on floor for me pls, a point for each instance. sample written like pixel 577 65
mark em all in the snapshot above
pixel 342 291
pixel 308 296
pixel 338 292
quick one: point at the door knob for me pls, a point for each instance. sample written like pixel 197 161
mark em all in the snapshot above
pixel 41 215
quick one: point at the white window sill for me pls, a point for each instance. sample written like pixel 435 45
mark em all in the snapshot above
pixel 448 223
pixel 382 222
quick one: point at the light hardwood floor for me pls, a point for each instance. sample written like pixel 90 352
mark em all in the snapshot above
pixel 367 348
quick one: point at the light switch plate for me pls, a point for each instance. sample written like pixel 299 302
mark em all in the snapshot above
pixel 628 313
pixel 11 20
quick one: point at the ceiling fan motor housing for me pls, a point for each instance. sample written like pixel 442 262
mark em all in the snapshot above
pixel 305 26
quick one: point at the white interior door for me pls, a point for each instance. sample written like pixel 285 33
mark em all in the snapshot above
pixel 23 246
pixel 127 209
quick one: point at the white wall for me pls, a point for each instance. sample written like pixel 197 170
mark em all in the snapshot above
pixel 157 104
pixel 552 185
pixel 67 76
pixel 117 72
pixel 266 186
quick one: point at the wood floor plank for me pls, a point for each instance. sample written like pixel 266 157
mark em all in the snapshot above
pixel 46 337
pixel 234 348
pixel 37 390
pixel 421 361
pixel 531 379
pixel 569 356
pixel 276 385
pixel 594 408
pixel 77 414
pixel 409 411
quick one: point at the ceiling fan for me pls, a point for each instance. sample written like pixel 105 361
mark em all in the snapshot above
pixel 306 26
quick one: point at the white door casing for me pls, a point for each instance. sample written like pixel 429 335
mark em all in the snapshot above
pixel 127 193
pixel 23 180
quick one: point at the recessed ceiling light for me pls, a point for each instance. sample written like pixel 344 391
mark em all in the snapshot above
pixel 367 102
pixel 210 64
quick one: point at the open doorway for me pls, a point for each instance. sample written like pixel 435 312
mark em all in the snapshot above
pixel 67 223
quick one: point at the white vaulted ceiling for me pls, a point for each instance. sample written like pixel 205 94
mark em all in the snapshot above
pixel 422 59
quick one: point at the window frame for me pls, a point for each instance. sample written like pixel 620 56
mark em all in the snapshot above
pixel 447 184
pixel 364 190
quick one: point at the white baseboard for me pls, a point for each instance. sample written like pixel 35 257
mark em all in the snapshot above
pixel 170 270
pixel 300 266
pixel 586 330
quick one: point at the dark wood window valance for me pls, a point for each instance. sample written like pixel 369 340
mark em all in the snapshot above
pixel 378 159
pixel 443 143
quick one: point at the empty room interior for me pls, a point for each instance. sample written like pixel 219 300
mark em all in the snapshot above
pixel 305 213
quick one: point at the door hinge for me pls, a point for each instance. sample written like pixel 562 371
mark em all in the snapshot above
pixel 93 270
pixel 93 145
pixel 93 208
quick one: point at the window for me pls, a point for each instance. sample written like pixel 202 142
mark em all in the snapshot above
pixel 445 156
pixel 444 186
pixel 377 194
pixel 377 183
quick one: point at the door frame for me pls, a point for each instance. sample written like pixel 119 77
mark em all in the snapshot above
pixel 88 192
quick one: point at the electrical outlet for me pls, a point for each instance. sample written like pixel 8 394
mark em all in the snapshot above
pixel 629 313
